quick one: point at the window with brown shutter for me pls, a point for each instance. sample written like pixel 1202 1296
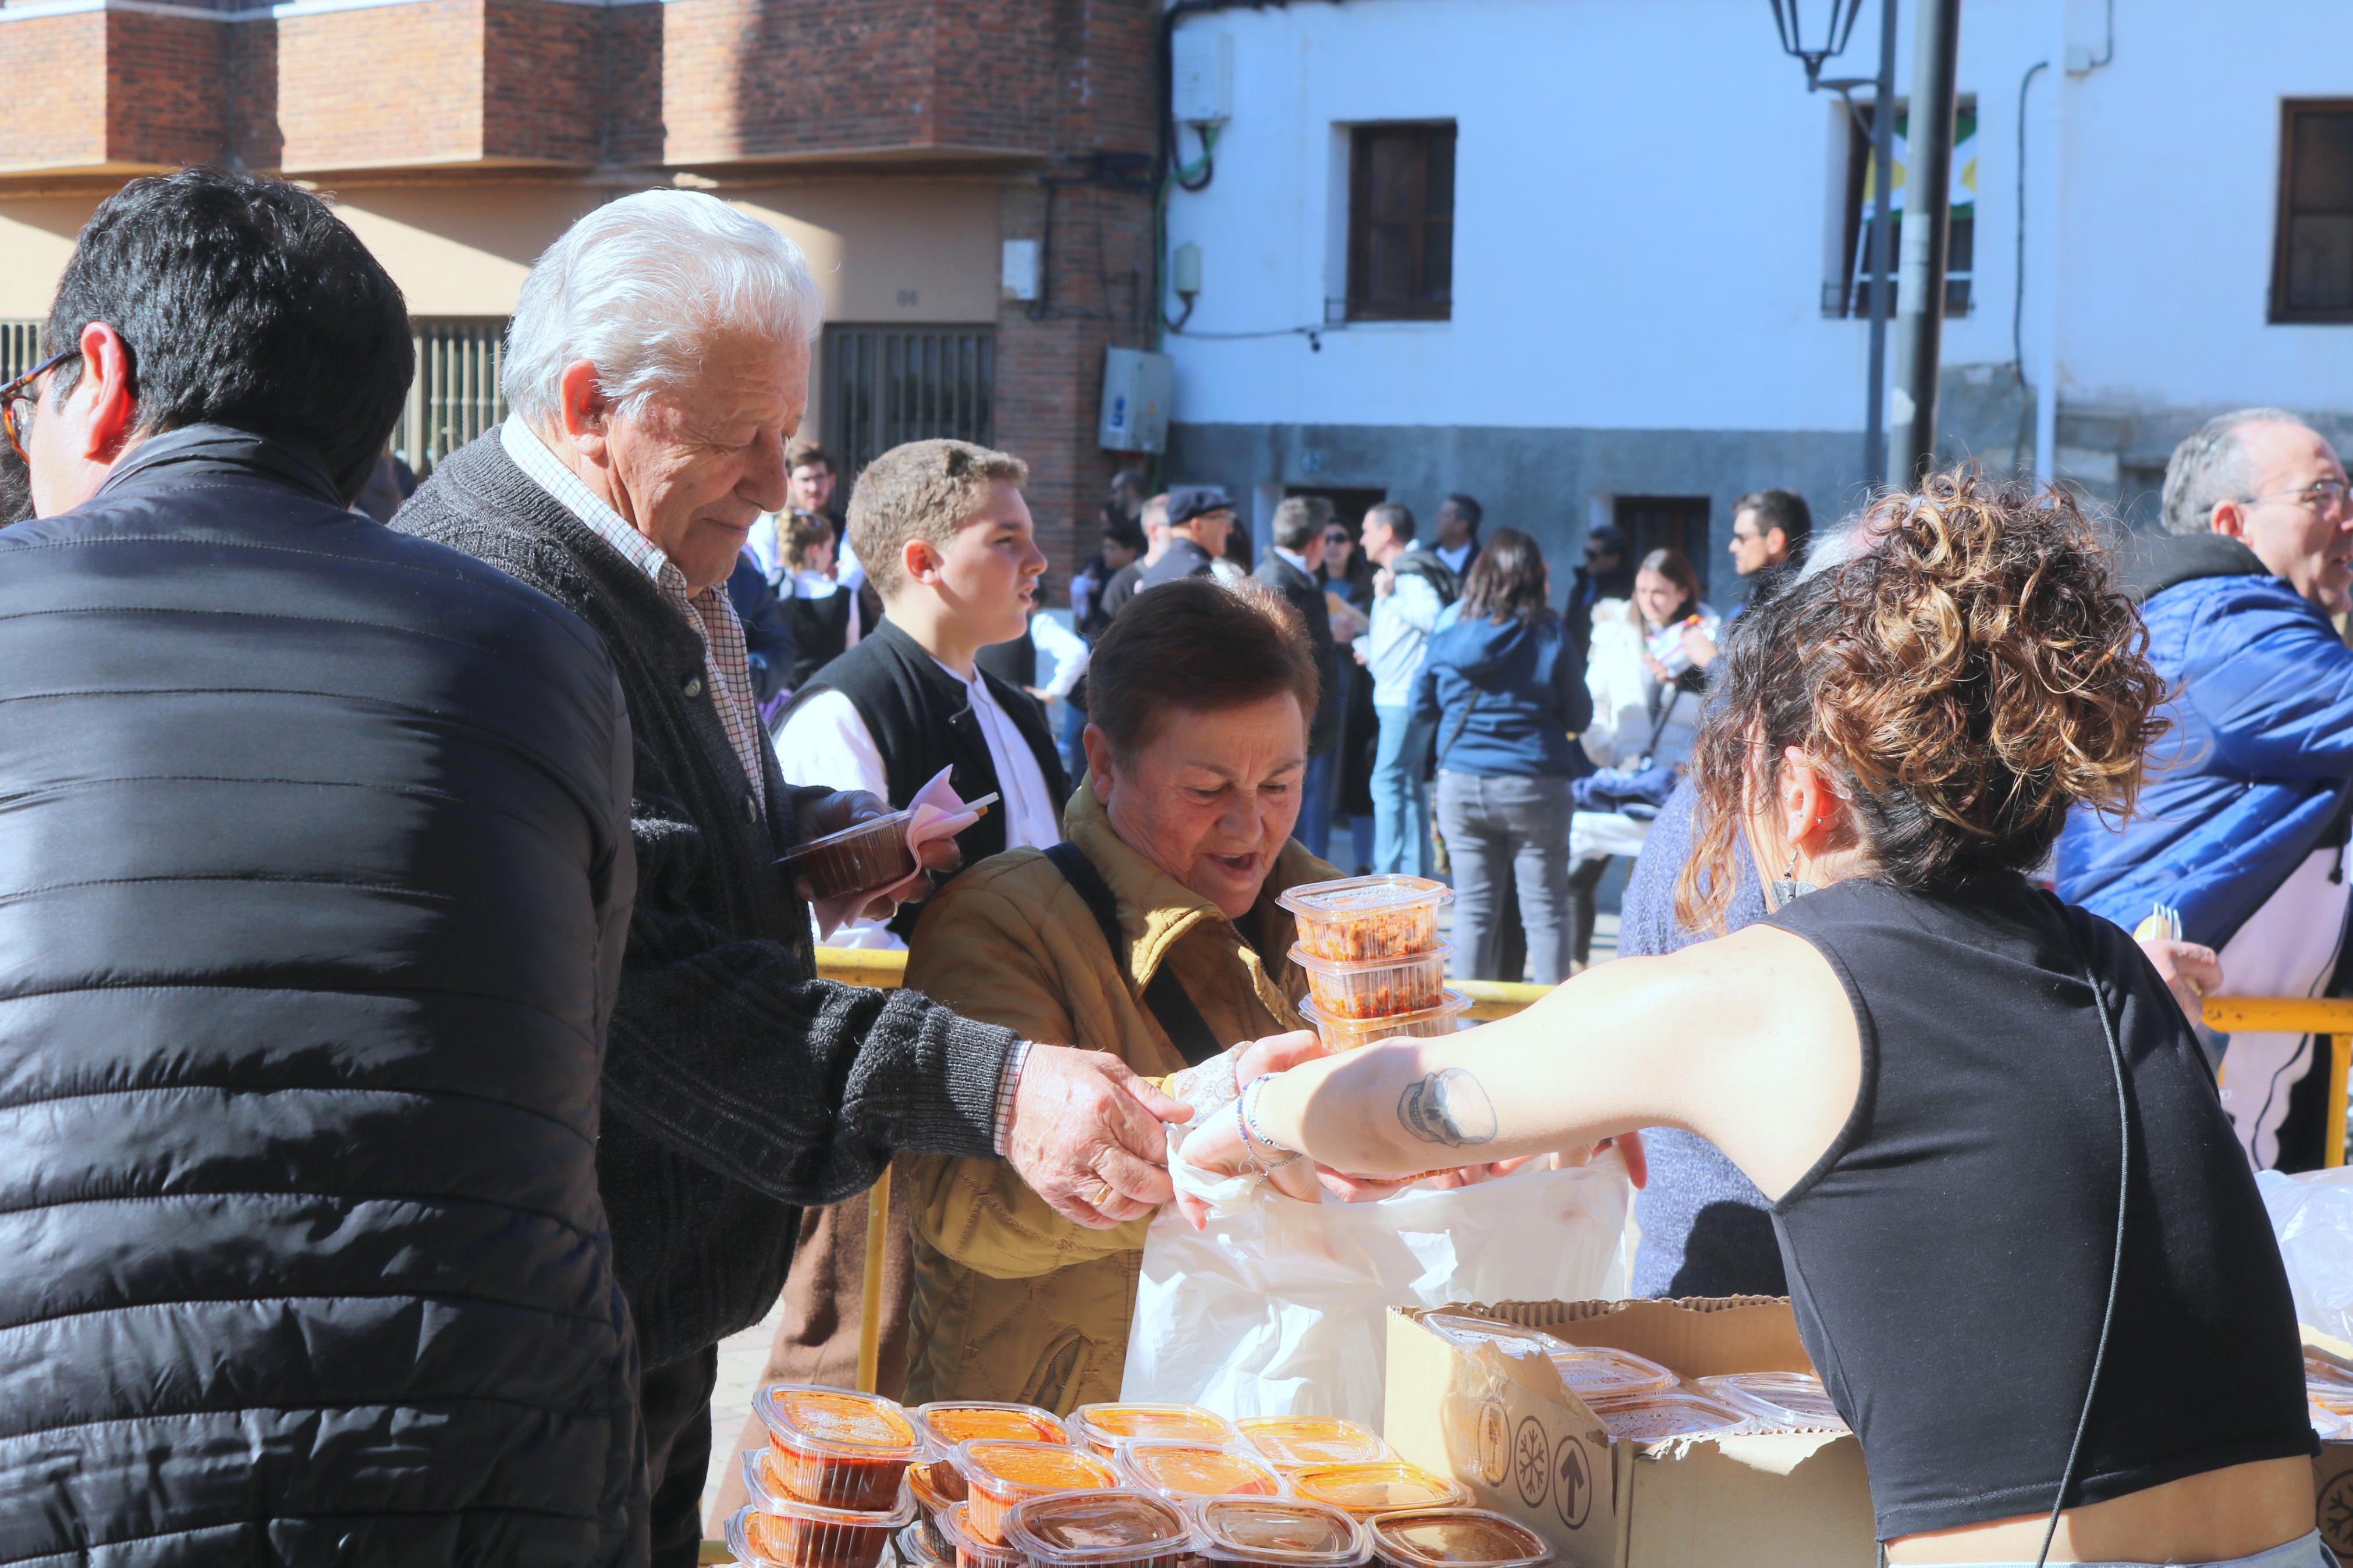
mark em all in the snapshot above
pixel 2312 254
pixel 1401 223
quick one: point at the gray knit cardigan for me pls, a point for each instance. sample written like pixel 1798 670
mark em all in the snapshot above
pixel 737 1084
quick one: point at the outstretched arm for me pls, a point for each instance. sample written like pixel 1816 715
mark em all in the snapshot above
pixel 1748 1041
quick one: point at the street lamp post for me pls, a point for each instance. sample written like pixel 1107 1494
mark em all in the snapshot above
pixel 1927 207
pixel 1815 34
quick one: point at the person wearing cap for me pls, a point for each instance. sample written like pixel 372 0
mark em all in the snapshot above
pixel 1200 517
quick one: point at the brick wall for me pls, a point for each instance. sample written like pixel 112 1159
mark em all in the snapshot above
pixel 542 63
pixel 164 103
pixel 387 84
pixel 57 74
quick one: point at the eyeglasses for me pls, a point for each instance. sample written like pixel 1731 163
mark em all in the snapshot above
pixel 2327 496
pixel 20 392
pixel 1336 537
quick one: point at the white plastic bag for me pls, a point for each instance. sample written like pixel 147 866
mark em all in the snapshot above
pixel 2312 1216
pixel 1282 1308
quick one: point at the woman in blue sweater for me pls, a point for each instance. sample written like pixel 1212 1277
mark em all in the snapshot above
pixel 1504 688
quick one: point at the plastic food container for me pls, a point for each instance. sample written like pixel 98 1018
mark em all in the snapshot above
pixel 1103 1427
pixel 944 1423
pixel 1599 1376
pixel 1456 1538
pixel 1275 1532
pixel 1375 987
pixel 1099 1529
pixel 2328 1384
pixel 1179 1470
pixel 779 1527
pixel 1385 1486
pixel 1297 1442
pixel 1655 1417
pixel 930 1503
pixel 1792 1399
pixel 1347 1034
pixel 1358 918
pixel 2327 1425
pixel 922 1545
pixel 999 1474
pixel 871 855
pixel 968 1549
pixel 834 1448
pixel 1463 1331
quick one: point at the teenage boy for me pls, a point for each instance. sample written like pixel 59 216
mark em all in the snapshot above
pixel 948 544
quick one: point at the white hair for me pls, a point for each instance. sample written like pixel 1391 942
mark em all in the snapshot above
pixel 640 286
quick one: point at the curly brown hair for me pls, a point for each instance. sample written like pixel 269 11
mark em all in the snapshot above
pixel 1964 678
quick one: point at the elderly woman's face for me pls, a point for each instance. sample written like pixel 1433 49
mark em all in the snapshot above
pixel 694 467
pixel 1211 798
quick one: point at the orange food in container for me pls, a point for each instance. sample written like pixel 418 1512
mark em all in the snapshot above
pixel 856 859
pixel 1103 1427
pixel 1347 1034
pixel 1099 1529
pixel 1796 1400
pixel 1297 1442
pixel 1456 1538
pixel 1277 1532
pixel 1375 987
pixel 999 1474
pixel 1655 1417
pixel 969 1551
pixel 921 1547
pixel 1179 1470
pixel 834 1448
pixel 778 1528
pixel 1383 1487
pixel 944 1423
pixel 929 1505
pixel 1356 917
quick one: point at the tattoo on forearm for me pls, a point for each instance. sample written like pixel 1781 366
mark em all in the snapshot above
pixel 1448 1108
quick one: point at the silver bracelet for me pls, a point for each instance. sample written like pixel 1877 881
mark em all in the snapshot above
pixel 1249 1124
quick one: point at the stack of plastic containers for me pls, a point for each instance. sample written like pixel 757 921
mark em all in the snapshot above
pixel 828 1491
pixel 1778 1401
pixel 977 1484
pixel 1375 969
pixel 1636 1399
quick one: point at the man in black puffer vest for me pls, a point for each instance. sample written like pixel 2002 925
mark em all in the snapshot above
pixel 313 883
pixel 658 361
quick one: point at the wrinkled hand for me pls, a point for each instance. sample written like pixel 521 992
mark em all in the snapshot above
pixel 846 808
pixel 2191 972
pixel 1087 1136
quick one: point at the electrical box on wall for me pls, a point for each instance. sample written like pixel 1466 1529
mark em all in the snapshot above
pixel 1136 387
pixel 1201 76
pixel 1021 257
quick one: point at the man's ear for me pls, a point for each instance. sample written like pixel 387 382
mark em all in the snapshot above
pixel 1777 541
pixel 2228 519
pixel 105 387
pixel 582 413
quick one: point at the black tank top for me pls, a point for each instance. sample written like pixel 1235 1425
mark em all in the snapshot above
pixel 1949 1255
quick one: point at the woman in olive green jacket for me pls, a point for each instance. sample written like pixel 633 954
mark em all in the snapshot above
pixel 1199 695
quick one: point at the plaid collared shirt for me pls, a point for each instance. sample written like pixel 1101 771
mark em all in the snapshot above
pixel 726 668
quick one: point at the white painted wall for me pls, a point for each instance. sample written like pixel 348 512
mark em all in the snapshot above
pixel 1641 198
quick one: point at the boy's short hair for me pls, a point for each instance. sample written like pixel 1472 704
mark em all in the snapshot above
pixel 802 533
pixel 810 455
pixel 923 489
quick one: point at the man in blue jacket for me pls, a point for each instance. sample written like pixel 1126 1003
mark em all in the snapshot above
pixel 2242 825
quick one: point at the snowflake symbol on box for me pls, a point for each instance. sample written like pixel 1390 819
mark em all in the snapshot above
pixel 2336 1513
pixel 1532 1462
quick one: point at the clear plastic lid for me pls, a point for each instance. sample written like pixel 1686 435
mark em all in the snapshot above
pixel 2329 1383
pixel 1367 917
pixel 1442 1019
pixel 1097 1530
pixel 917 1549
pixel 1456 1538
pixel 944 1423
pixel 1384 1487
pixel 1296 1442
pixel 834 1423
pixel 1106 1426
pixel 1793 1399
pixel 926 1495
pixel 1179 1470
pixel 971 1550
pixel 769 1496
pixel 1277 1530
pixel 1677 1413
pixel 2328 1426
pixel 875 829
pixel 1464 1331
pixel 1375 987
pixel 1596 1373
pixel 1005 1470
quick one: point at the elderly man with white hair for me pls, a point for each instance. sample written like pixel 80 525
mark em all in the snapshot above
pixel 656 366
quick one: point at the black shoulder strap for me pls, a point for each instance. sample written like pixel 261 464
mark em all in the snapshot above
pixel 1166 996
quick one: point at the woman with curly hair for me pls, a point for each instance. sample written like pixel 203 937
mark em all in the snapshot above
pixel 2023 1247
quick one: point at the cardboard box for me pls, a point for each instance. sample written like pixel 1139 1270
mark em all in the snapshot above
pixel 1506 1427
pixel 2332 1472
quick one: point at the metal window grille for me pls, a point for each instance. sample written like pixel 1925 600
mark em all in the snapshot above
pixel 20 348
pixel 884 385
pixel 456 395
